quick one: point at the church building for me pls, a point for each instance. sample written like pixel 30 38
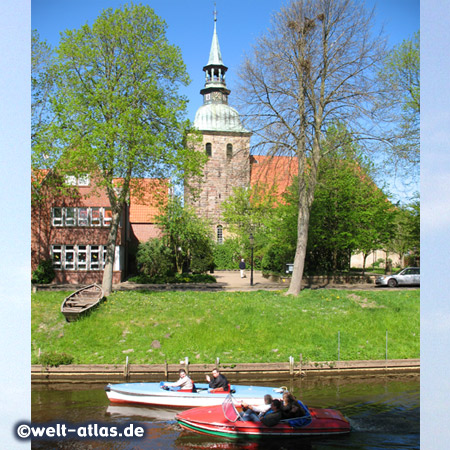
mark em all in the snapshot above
pixel 224 140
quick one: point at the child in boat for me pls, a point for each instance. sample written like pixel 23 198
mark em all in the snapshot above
pixel 184 383
pixel 253 413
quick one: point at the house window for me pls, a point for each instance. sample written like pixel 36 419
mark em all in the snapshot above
pixel 57 256
pixel 82 257
pixel 96 217
pixel 107 218
pixel 83 217
pixel 219 234
pixel 70 217
pixel 71 180
pixel 95 257
pixel 69 257
pixel 82 180
pixel 229 151
pixel 208 149
pixel 78 257
pixel 57 217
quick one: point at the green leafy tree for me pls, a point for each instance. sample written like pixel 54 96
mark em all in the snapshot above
pixel 349 213
pixel 42 84
pixel 406 239
pixel 246 212
pixel 399 107
pixel 116 110
pixel 188 237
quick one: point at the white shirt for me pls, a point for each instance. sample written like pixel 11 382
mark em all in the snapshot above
pixel 184 383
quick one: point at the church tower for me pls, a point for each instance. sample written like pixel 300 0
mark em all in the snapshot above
pixel 224 140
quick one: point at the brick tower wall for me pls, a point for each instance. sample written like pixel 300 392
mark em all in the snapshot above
pixel 220 174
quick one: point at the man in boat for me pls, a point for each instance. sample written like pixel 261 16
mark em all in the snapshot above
pixel 218 381
pixel 184 383
pixel 255 412
pixel 273 416
pixel 270 417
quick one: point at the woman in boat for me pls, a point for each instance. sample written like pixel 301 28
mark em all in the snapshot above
pixel 253 413
pixel 218 381
pixel 291 407
pixel 184 382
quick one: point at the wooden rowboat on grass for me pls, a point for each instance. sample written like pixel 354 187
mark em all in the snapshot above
pixel 81 302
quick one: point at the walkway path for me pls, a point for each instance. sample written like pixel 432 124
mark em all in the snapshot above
pixel 232 281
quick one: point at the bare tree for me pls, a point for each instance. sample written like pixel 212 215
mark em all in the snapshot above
pixel 315 66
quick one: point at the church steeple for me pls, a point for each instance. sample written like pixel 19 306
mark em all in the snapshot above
pixel 215 90
pixel 215 114
pixel 215 57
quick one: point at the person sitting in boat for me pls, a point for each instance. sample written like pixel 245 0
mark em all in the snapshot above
pixel 184 383
pixel 290 407
pixel 253 413
pixel 273 416
pixel 218 381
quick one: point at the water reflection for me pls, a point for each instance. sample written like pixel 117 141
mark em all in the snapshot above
pixel 383 412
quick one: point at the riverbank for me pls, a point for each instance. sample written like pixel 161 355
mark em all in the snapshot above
pixel 237 327
pixel 115 373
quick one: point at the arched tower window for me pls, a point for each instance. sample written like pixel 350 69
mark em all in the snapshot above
pixel 229 151
pixel 208 149
pixel 219 234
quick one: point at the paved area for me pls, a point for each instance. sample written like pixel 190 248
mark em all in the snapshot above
pixel 232 281
pixel 229 281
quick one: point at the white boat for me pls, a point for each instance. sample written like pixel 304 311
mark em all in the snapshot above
pixel 201 395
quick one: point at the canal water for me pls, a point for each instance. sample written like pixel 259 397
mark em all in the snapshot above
pixel 383 412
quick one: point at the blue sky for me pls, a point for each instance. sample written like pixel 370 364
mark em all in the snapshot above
pixel 190 27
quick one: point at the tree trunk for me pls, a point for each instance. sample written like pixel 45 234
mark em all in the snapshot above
pixel 110 253
pixel 300 252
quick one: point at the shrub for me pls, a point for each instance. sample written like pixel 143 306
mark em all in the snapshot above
pixel 275 259
pixel 155 259
pixel 55 359
pixel 44 273
pixel 227 255
pixel 194 278
pixel 175 278
pixel 202 258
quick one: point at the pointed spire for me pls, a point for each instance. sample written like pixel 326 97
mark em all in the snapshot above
pixel 215 57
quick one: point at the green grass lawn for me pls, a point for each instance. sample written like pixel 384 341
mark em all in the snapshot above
pixel 234 326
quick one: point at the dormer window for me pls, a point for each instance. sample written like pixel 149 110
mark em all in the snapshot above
pixel 81 180
pixel 208 149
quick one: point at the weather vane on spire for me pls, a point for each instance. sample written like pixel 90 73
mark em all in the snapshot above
pixel 215 12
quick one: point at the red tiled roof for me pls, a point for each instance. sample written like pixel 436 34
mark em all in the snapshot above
pixel 272 171
pixel 147 196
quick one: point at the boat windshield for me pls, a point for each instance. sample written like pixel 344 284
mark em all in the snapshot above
pixel 229 410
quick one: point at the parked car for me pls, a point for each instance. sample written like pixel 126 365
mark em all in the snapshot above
pixel 408 276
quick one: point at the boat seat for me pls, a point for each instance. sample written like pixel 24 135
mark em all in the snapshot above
pixel 220 390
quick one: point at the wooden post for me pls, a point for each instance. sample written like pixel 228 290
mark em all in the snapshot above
pixel 126 371
pixel 386 346
pixel 291 365
pixel 339 345
pixel 186 365
pixel 166 370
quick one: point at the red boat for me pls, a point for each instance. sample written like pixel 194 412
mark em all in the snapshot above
pixel 225 421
